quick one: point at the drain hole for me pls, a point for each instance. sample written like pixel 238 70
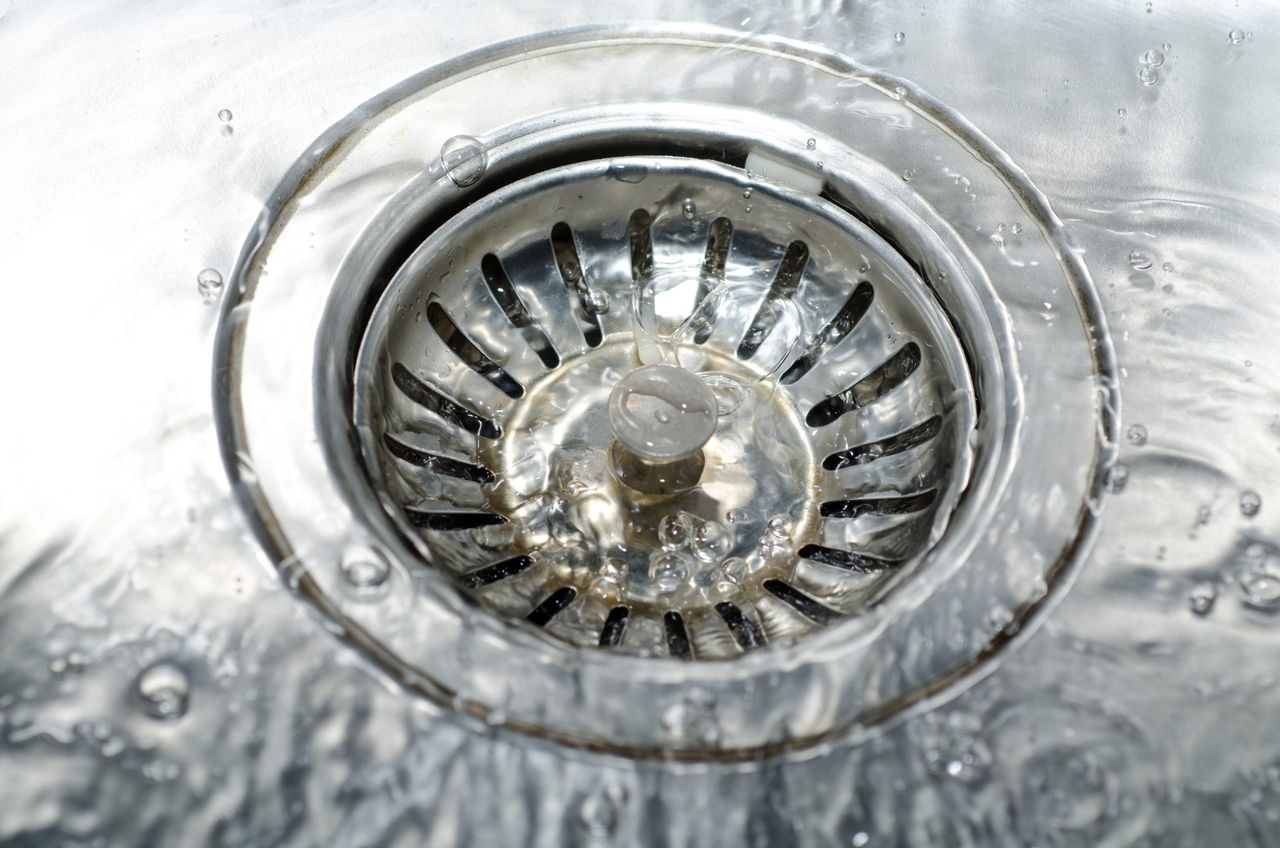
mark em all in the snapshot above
pixel 784 287
pixel 878 506
pixel 891 373
pixel 677 636
pixel 719 237
pixel 800 602
pixel 467 351
pixel 433 400
pixel 614 626
pixel 575 280
pixel 551 606
pixel 452 519
pixel 639 232
pixel 847 560
pixel 498 571
pixel 870 452
pixel 841 325
pixel 439 464
pixel 744 630
pixel 500 286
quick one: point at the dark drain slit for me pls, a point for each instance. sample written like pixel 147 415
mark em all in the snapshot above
pixel 744 630
pixel 784 286
pixel 878 506
pixel 439 464
pixel 498 571
pixel 551 606
pixel 614 626
pixel 452 519
pixel 468 352
pixel 500 286
pixel 890 374
pixel 870 452
pixel 639 233
pixel 719 237
pixel 677 636
pixel 800 602
pixel 433 400
pixel 846 319
pixel 847 560
pixel 575 280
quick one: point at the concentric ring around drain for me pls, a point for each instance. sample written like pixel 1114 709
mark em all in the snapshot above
pixel 492 354
pixel 287 365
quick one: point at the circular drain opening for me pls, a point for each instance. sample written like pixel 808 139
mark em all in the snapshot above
pixel 308 399
pixel 840 405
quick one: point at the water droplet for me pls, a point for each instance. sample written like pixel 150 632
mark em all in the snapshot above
pixel 747 192
pixel 1260 578
pixel 669 570
pixel 861 839
pixel 738 516
pixel 1202 597
pixel 464 160
pixel 1148 7
pixel 906 175
pixel 899 37
pixel 209 284
pixel 1153 58
pixel 225 116
pixel 601 810
pixel 780 526
pixel 1117 478
pixel 812 144
pixel 1122 112
pixel 662 416
pixel 951 745
pixel 1015 228
pixel 1236 36
pixel 165 690
pixel 728 390
pixel 1250 503
pixel 1148 75
pixel 1167 267
pixel 688 209
pixel 674 531
pixel 597 302
pixel 1139 260
pixel 364 568
pixel 1166 47
pixel 747 209
pixel 710 541
pixel 693 718
pixel 1137 435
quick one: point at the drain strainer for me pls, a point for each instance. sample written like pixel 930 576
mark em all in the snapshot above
pixel 666 407
pixel 644 422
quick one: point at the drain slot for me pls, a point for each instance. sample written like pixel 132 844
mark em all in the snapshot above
pixel 468 352
pixel 893 372
pixel 745 631
pixel 834 333
pixel 433 400
pixel 800 602
pixel 878 506
pixel 437 463
pixel 498 571
pixel 719 239
pixel 575 280
pixel 784 287
pixel 615 625
pixel 848 560
pixel 677 636
pixel 551 606
pixel 505 295
pixel 452 519
pixel 870 452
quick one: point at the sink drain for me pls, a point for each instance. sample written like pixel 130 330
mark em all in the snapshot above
pixel 833 409
pixel 644 422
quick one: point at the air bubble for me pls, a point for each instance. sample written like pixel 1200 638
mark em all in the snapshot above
pixel 1250 503
pixel 364 568
pixel 1236 36
pixel 165 690
pixel 597 302
pixel 734 569
pixel 780 526
pixel 688 209
pixel 1122 112
pixel 1202 598
pixel 710 542
pixel 1139 261
pixel 728 390
pixel 674 531
pixel 1167 267
pixel 1148 75
pixel 1260 578
pixel 899 37
pixel 669 570
pixel 209 284
pixel 464 160
pixel 225 116
pixel 1137 435
pixel 811 144
pixel 1153 58
pixel 614 570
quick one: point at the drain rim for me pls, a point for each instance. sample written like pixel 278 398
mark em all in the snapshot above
pixel 231 358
